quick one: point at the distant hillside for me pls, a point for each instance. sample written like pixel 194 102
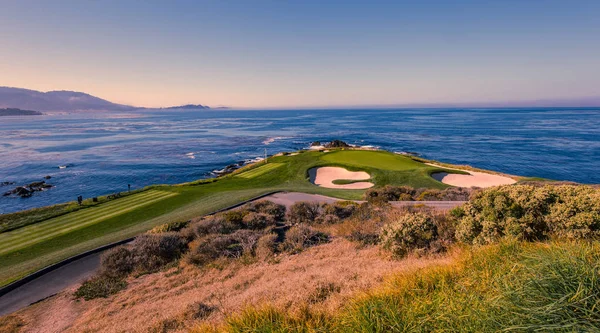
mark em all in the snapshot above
pixel 18 98
pixel 19 112
pixel 55 101
pixel 187 107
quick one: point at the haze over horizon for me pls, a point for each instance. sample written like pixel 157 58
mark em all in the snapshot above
pixel 271 54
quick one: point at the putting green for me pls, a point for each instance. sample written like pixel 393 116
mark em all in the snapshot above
pixel 373 159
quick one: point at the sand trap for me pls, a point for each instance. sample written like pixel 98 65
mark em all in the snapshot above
pixel 325 176
pixel 473 179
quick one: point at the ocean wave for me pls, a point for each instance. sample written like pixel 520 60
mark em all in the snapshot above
pixel 270 140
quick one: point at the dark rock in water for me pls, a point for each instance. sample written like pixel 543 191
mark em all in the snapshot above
pixel 27 191
pixel 36 184
pixel 337 144
pixel 7 183
pixel 48 177
pixel 315 144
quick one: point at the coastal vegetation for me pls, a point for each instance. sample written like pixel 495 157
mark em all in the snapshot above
pixel 444 281
pixel 64 230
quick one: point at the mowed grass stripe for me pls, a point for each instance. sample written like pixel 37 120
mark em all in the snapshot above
pixel 260 170
pixel 62 229
pixel 82 214
pixel 67 220
pixel 63 222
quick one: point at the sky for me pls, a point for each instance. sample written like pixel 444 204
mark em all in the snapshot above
pixel 303 53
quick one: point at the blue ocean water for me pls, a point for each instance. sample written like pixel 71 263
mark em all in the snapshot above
pixel 104 152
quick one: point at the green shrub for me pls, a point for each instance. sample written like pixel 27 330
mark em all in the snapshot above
pixel 530 213
pixel 409 232
pixel 100 286
pixel 576 213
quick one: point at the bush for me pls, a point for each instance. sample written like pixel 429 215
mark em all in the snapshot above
pixel 530 213
pixel 405 193
pixel 100 286
pixel 218 246
pixel 409 232
pixel 390 193
pixel 302 236
pixel 323 291
pixel 117 262
pixel 153 251
pixel 277 211
pixel 576 213
pixel 198 311
pixel 257 221
pixel 341 210
pixel 217 225
pixel 168 227
pixel 234 218
pixel 266 246
pixel 304 212
pixel 213 247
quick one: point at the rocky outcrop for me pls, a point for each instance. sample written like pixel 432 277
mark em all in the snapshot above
pixel 27 191
pixel 337 144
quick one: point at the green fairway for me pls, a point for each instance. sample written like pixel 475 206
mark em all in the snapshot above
pixel 29 235
pixel 260 170
pixel 49 238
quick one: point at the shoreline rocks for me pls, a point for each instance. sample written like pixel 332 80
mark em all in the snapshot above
pixel 26 191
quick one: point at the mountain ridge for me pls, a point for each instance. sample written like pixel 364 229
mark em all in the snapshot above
pixel 67 100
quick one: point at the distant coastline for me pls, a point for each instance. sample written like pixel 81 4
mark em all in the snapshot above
pixel 19 112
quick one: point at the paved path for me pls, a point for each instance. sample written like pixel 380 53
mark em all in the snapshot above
pixel 49 284
pixel 77 271
pixel 289 198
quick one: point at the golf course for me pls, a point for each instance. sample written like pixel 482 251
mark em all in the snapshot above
pixel 34 239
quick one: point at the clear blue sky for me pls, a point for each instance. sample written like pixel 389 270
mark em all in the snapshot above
pixel 303 53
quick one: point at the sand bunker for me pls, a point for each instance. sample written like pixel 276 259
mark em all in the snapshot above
pixel 325 176
pixel 473 179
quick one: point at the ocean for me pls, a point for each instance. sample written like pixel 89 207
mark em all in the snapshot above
pixel 102 153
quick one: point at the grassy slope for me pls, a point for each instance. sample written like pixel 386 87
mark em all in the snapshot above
pixel 511 287
pixel 196 200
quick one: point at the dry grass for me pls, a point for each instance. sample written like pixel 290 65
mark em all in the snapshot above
pixel 325 276
pixel 11 324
